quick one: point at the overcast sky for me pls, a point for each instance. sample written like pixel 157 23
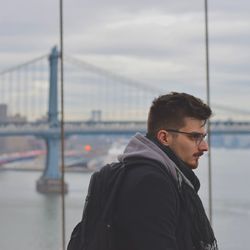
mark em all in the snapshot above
pixel 158 42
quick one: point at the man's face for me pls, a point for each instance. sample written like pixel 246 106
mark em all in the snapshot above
pixel 186 146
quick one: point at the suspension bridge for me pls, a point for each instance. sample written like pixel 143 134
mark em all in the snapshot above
pixel 96 102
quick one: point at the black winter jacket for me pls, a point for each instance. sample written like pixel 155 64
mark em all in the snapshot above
pixel 150 212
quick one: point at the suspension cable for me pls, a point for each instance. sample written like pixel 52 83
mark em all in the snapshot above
pixel 23 64
pixel 62 126
pixel 106 73
pixel 208 124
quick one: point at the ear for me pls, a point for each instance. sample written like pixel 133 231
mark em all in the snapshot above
pixel 163 137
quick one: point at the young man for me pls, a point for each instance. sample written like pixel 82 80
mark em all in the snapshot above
pixel 158 207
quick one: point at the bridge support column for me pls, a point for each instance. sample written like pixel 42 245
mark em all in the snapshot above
pixel 50 181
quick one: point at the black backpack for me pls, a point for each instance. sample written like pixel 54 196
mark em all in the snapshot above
pixel 95 231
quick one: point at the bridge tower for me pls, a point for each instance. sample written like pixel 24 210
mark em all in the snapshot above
pixel 50 181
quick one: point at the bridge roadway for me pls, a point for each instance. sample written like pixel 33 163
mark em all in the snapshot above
pixel 42 129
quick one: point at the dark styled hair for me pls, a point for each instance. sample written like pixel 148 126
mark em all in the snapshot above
pixel 169 111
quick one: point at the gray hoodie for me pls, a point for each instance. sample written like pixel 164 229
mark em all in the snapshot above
pixel 140 146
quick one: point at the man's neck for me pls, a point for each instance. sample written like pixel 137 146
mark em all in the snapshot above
pixel 179 163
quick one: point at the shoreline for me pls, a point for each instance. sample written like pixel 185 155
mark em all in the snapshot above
pixel 40 169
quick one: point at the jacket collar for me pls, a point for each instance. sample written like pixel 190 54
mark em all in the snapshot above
pixel 188 172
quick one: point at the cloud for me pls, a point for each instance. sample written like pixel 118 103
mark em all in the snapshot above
pixel 156 42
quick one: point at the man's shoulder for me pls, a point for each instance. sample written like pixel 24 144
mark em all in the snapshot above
pixel 144 186
pixel 145 170
pixel 144 166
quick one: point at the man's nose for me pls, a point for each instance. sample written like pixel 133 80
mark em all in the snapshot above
pixel 203 146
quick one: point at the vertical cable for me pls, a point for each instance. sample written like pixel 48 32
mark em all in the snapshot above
pixel 29 92
pixel 34 83
pixel 129 106
pixel 45 90
pixel 2 89
pixel 208 124
pixel 105 98
pixel 26 91
pixel 10 98
pixel 17 92
pixel 62 126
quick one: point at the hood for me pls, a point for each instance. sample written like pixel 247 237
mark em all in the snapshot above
pixel 141 147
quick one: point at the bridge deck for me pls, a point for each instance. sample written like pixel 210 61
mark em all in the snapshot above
pixel 107 127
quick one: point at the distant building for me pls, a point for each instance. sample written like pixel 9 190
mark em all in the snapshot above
pixel 4 118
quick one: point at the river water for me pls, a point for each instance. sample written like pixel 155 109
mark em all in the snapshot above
pixel 32 221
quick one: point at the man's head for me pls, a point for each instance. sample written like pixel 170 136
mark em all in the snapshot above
pixel 178 120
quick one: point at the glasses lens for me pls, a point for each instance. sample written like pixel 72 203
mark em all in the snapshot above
pixel 198 137
pixel 202 138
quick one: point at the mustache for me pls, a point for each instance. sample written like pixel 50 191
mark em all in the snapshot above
pixel 198 154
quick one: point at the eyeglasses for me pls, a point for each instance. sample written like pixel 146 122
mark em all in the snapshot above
pixel 195 136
